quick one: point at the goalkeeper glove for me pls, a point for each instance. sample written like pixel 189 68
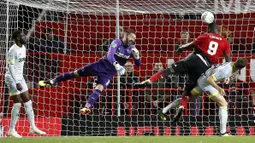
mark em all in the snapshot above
pixel 119 68
pixel 135 53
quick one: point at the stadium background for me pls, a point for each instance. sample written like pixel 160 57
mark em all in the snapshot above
pixel 57 109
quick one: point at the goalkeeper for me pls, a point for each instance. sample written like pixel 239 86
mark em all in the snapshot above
pixel 118 54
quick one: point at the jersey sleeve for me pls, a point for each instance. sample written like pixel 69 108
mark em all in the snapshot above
pixel 200 39
pixel 11 57
pixel 112 49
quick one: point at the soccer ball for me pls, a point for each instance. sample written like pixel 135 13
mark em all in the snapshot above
pixel 207 17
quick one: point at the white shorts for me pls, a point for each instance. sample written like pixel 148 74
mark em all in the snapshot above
pixel 204 86
pixel 12 85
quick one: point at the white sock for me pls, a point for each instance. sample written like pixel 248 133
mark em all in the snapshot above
pixel 223 115
pixel 172 105
pixel 30 113
pixel 14 115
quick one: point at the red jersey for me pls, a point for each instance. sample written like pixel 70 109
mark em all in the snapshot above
pixel 212 45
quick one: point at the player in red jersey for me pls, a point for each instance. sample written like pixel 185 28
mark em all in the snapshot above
pixel 208 48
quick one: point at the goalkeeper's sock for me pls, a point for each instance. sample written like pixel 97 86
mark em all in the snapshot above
pixel 184 101
pixel 30 113
pixel 172 105
pixel 14 115
pixel 223 115
pixel 93 98
pixel 64 77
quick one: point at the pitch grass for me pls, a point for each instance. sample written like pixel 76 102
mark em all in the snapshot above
pixel 143 139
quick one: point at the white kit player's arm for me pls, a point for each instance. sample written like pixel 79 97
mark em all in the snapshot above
pixel 10 62
pixel 212 82
pixel 219 75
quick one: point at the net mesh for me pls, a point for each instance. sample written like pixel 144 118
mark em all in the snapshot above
pixel 67 34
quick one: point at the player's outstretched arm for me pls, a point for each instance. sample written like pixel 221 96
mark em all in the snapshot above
pixel 185 47
pixel 211 80
pixel 112 49
pixel 155 77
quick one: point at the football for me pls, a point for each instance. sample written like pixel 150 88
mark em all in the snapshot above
pixel 207 17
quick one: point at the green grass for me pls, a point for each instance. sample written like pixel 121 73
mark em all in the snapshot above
pixel 144 139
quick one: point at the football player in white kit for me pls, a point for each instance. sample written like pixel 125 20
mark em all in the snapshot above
pixel 17 86
pixel 207 83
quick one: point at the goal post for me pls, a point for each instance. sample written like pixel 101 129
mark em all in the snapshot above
pixel 64 35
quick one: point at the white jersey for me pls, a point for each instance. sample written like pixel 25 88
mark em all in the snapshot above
pixel 16 56
pixel 220 72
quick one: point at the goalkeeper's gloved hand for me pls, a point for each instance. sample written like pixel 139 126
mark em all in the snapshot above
pixel 135 53
pixel 119 68
pixel 178 51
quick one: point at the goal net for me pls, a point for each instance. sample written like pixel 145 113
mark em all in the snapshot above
pixel 64 35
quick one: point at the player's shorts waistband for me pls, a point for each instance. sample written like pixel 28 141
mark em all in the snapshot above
pixel 204 59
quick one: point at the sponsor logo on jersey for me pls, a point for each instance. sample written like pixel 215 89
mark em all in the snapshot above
pixel 121 55
pixel 214 37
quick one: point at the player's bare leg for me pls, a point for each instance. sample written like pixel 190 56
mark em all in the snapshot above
pixel 30 114
pixel 223 112
pixel 155 77
pixel 62 77
pixel 194 94
pixel 174 104
pixel 92 99
pixel 15 116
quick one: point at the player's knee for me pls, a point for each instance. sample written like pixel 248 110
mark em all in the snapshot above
pixel 100 87
pixel 222 102
pixel 25 96
pixel 16 98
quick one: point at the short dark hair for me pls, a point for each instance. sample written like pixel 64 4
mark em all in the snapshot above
pixel 212 27
pixel 16 34
pixel 184 31
pixel 241 63
pixel 129 31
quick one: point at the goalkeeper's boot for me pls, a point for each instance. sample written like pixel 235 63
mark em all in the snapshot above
pixel 161 115
pixel 143 84
pixel 46 82
pixel 85 111
pixel 14 134
pixel 179 114
pixel 225 135
pixel 35 130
